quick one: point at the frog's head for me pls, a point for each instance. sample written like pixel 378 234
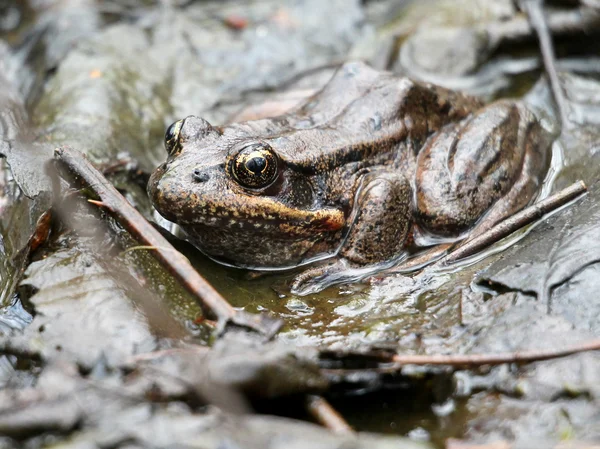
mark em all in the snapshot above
pixel 237 197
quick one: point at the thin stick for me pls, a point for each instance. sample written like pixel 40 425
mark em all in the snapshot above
pixel 537 20
pixel 470 360
pixel 496 359
pixel 517 221
pixel 326 415
pixel 212 303
pixel 421 260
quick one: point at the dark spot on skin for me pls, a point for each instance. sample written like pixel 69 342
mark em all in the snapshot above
pixel 445 109
pixel 200 176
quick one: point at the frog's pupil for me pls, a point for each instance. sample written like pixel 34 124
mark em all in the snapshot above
pixel 256 165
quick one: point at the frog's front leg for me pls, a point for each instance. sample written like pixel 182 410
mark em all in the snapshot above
pixel 379 225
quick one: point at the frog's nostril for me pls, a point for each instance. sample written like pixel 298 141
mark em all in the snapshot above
pixel 199 175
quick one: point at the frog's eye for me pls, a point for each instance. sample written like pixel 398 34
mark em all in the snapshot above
pixel 172 137
pixel 255 166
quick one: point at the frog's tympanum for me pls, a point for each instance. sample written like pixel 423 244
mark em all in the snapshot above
pixel 358 173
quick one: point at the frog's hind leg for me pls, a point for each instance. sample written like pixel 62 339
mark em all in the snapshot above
pixel 489 165
pixel 519 196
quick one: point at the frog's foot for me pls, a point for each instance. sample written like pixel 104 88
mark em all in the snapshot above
pixel 339 271
pixel 318 278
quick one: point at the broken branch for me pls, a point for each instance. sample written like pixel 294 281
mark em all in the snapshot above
pixel 516 222
pixel 395 362
pixel 495 359
pixel 211 301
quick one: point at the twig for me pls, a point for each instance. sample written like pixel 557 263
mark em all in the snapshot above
pixel 537 20
pixel 134 222
pixel 212 303
pixel 421 260
pixel 517 221
pixel 396 361
pixel 495 359
pixel 160 321
pixel 326 415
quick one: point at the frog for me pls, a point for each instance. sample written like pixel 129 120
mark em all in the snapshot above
pixel 352 179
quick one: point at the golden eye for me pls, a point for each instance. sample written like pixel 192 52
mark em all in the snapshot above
pixel 255 166
pixel 172 137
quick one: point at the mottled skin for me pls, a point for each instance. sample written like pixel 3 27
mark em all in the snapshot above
pixel 349 173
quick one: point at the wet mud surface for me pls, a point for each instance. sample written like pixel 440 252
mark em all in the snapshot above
pixel 102 348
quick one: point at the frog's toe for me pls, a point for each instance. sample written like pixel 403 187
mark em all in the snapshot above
pixel 303 286
pixel 318 278
pixel 340 271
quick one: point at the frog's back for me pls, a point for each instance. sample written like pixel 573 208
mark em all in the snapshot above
pixel 362 112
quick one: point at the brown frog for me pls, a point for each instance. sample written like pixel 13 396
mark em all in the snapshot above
pixel 351 175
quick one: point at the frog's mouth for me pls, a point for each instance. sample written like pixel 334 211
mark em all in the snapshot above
pixel 244 229
pixel 233 211
pixel 263 215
